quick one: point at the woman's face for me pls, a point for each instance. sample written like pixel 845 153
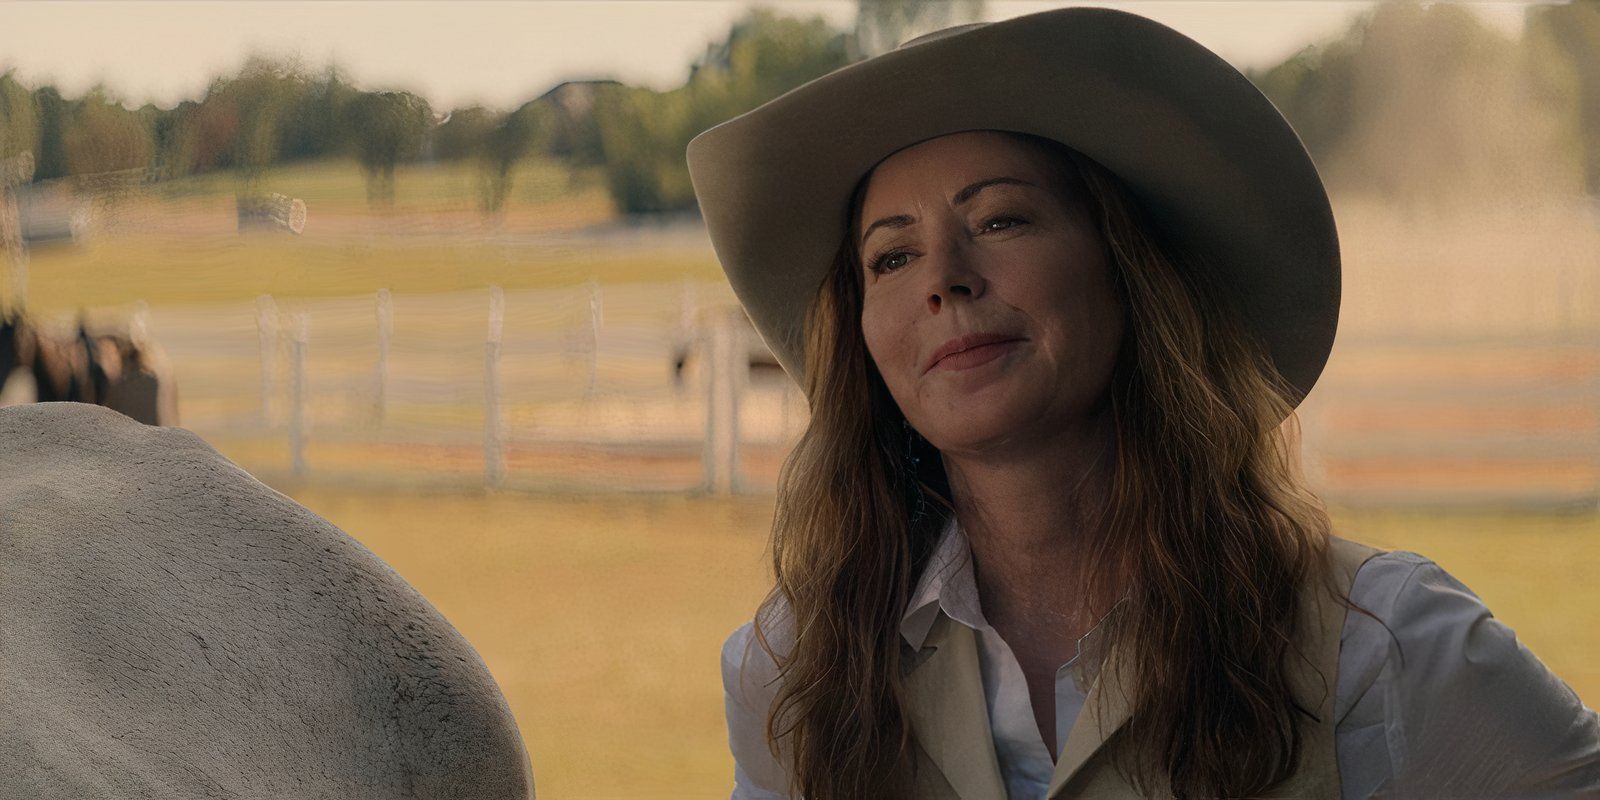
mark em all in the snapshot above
pixel 980 233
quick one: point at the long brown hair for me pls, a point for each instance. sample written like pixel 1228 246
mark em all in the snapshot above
pixel 1208 528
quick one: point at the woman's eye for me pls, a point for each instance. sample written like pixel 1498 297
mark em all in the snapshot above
pixel 885 262
pixel 888 262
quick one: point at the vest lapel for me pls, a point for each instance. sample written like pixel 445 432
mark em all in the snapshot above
pixel 1322 621
pixel 1089 733
pixel 948 712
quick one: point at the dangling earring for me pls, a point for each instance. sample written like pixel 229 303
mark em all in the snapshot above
pixel 914 463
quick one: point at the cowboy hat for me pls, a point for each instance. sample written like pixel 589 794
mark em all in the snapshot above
pixel 1207 156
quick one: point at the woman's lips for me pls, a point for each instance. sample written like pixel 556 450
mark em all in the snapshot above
pixel 974 356
pixel 967 342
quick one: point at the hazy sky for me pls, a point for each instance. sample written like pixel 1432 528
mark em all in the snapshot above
pixel 505 52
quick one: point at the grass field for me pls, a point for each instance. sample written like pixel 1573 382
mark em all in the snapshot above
pixel 338 185
pixel 179 243
pixel 603 618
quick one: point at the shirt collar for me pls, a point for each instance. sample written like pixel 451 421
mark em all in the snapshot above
pixel 948 584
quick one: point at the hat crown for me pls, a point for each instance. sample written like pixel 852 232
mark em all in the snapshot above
pixel 1211 159
pixel 940 34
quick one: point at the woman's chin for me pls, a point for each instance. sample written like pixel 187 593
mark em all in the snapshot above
pixel 973 430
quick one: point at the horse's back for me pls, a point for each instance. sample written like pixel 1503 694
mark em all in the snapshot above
pixel 171 627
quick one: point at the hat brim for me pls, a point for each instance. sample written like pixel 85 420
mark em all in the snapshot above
pixel 1207 155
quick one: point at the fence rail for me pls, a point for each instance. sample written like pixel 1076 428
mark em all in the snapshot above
pixel 580 388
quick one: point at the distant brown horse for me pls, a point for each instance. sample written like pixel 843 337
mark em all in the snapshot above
pixel 109 369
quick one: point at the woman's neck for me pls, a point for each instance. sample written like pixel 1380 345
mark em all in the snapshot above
pixel 1031 515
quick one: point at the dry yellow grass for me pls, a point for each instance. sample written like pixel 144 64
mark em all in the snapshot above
pixel 603 617
pixel 163 270
pixel 179 243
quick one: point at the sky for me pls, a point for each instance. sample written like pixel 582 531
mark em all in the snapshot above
pixel 504 52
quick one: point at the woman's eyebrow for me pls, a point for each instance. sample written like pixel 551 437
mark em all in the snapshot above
pixel 972 189
pixel 967 193
pixel 896 221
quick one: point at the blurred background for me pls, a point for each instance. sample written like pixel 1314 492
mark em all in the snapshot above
pixel 436 271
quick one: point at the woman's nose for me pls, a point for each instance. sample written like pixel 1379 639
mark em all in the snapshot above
pixel 954 276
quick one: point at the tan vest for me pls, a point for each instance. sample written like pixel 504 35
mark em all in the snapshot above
pixel 957 761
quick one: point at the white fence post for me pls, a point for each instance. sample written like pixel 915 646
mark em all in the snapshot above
pixel 385 330
pixel 723 363
pixel 301 333
pixel 687 337
pixel 1594 399
pixel 14 172
pixel 688 305
pixel 595 309
pixel 267 327
pixel 139 324
pixel 494 456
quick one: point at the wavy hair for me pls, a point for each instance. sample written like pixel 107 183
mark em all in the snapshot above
pixel 1208 527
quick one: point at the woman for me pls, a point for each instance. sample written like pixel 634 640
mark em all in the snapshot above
pixel 1052 286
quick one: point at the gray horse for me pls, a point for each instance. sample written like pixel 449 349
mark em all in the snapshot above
pixel 170 627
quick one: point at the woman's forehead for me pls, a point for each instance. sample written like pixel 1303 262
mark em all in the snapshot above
pixel 943 166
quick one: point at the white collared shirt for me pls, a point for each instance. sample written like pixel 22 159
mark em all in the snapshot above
pixel 1471 713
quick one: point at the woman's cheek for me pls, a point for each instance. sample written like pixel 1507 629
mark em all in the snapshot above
pixel 879 346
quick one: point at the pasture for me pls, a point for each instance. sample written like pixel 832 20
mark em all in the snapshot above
pixel 177 243
pixel 603 617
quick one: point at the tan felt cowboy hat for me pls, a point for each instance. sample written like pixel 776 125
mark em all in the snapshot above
pixel 1207 155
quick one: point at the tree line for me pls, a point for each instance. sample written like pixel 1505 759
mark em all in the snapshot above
pixel 1411 100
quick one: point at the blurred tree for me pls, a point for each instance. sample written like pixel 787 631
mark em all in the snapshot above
pixel 572 128
pixel 270 110
pixel 386 127
pixel 882 25
pixel 151 117
pixel 763 56
pixel 511 138
pixel 260 94
pixel 1313 90
pixel 166 130
pixel 312 126
pixel 464 133
pixel 19 118
pixel 644 133
pixel 1423 105
pixel 1565 42
pixel 210 137
pixel 51 161
pixel 638 128
pixel 233 126
pixel 103 136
